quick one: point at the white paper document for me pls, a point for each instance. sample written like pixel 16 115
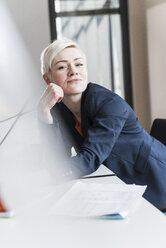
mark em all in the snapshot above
pixel 99 200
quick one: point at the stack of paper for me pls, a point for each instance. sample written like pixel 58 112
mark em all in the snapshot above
pixel 99 200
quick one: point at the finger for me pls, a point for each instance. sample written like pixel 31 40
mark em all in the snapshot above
pixel 60 99
pixel 54 96
pixel 57 87
pixel 51 96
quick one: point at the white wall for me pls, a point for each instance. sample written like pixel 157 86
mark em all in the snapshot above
pixel 24 33
pixel 148 55
pixel 156 38
pixel 139 61
pixel 32 20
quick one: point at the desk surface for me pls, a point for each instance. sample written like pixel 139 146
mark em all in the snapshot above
pixel 36 227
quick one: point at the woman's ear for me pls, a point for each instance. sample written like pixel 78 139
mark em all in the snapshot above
pixel 46 79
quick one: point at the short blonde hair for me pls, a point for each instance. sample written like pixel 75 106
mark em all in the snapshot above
pixel 51 51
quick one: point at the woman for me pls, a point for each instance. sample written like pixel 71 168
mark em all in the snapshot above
pixel 102 126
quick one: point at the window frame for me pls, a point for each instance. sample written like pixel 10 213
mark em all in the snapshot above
pixel 122 10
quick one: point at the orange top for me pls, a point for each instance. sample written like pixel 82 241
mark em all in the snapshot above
pixel 2 207
pixel 78 127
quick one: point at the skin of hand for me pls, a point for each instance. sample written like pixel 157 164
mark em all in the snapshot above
pixel 52 95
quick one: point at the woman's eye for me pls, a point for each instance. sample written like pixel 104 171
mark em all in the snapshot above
pixel 79 64
pixel 62 67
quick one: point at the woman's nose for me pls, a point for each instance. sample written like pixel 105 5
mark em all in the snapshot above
pixel 72 70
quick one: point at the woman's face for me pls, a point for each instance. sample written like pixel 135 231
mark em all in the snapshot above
pixel 69 71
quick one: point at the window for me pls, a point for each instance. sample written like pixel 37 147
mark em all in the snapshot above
pixel 100 27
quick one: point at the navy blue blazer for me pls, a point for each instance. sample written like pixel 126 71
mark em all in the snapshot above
pixel 112 136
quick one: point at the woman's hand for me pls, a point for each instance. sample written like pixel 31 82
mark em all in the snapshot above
pixel 52 95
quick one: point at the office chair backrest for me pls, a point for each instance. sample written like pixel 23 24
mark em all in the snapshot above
pixel 158 130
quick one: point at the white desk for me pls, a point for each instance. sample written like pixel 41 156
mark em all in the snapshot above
pixel 35 227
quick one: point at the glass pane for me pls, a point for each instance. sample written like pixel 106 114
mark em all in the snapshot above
pixel 70 5
pixel 94 35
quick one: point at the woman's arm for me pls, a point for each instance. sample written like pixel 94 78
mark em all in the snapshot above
pixel 108 119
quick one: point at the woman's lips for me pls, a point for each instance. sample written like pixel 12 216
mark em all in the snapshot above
pixel 76 80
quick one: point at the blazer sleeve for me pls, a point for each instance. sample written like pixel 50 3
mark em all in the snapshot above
pixel 108 116
pixel 52 141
